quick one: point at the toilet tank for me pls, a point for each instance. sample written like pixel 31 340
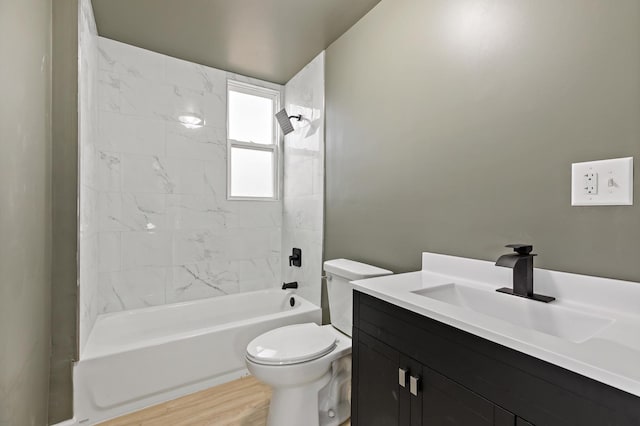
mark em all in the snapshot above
pixel 339 273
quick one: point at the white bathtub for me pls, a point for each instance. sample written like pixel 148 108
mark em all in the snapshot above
pixel 138 358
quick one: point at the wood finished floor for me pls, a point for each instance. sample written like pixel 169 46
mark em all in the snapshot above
pixel 243 402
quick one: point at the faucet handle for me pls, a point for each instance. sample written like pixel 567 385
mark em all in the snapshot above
pixel 521 249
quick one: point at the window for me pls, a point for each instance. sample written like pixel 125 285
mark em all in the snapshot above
pixel 252 142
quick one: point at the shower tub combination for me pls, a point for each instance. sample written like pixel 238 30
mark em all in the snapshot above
pixel 138 358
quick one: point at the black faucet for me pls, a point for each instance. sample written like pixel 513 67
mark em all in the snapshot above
pixel 296 258
pixel 522 264
pixel 293 284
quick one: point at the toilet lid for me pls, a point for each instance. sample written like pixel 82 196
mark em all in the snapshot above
pixel 291 345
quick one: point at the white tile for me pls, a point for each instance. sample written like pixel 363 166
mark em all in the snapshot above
pixel 304 180
pixel 150 174
pixel 89 210
pixel 109 251
pixel 318 177
pixel 137 288
pixel 89 162
pixel 108 169
pixel 217 80
pixel 141 135
pixel 110 212
pixel 308 276
pixel 254 285
pixel 87 28
pixel 88 277
pixel 188 75
pixel 183 101
pixel 189 176
pixel 129 60
pixel 303 213
pixel 203 143
pixel 195 212
pixel 215 108
pixel 255 270
pixel 133 212
pixel 298 176
pixel 109 92
pixel 145 212
pixel 143 98
pixel 109 130
pixel 89 258
pixel 244 244
pixel 255 214
pixel 143 249
pixel 88 104
pixel 215 178
pixel 110 293
pixel 202 280
pixel 155 175
pixel 195 246
pixel 110 54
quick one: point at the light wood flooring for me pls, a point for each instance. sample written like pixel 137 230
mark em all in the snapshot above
pixel 243 402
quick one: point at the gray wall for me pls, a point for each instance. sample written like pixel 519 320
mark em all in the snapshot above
pixel 65 175
pixel 451 128
pixel 25 210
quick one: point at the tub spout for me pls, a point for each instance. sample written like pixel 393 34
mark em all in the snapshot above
pixel 293 284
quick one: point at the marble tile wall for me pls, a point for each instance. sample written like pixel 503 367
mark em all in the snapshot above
pixel 304 179
pixel 166 232
pixel 88 198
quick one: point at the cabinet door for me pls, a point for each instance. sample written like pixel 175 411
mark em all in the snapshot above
pixel 446 403
pixel 502 417
pixel 411 393
pixel 376 388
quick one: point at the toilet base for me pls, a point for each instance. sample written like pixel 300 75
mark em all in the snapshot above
pixel 325 402
pixel 295 406
pixel 335 397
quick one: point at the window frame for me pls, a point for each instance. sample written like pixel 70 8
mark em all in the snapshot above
pixel 274 148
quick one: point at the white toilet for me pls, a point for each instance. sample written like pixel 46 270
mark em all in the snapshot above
pixel 309 366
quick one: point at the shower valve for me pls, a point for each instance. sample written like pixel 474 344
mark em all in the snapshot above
pixel 296 258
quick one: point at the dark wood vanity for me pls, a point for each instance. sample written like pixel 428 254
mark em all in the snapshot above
pixel 412 370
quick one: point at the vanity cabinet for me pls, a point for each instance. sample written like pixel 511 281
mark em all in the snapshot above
pixel 410 370
pixel 416 395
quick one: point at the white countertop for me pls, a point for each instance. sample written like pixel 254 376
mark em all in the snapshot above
pixel 611 356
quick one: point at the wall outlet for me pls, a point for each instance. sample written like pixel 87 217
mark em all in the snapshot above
pixel 602 183
pixel 591 183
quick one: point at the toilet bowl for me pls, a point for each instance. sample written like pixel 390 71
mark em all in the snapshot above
pixel 298 375
pixel 309 366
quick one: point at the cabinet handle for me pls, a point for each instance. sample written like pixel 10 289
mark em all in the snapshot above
pixel 414 382
pixel 402 377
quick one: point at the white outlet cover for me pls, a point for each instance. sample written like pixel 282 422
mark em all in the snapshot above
pixel 614 181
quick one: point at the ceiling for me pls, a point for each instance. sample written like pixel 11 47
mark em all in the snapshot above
pixel 267 39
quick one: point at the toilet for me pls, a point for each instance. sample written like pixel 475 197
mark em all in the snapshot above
pixel 308 366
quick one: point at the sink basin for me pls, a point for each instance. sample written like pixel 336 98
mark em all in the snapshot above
pixel 558 321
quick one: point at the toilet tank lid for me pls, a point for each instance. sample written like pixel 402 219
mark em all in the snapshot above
pixel 352 270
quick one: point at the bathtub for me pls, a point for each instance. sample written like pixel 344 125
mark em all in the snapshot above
pixel 142 357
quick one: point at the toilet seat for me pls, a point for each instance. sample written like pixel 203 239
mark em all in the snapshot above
pixel 292 344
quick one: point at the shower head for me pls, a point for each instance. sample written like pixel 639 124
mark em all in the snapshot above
pixel 284 120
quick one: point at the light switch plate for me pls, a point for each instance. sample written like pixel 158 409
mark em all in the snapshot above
pixel 602 183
